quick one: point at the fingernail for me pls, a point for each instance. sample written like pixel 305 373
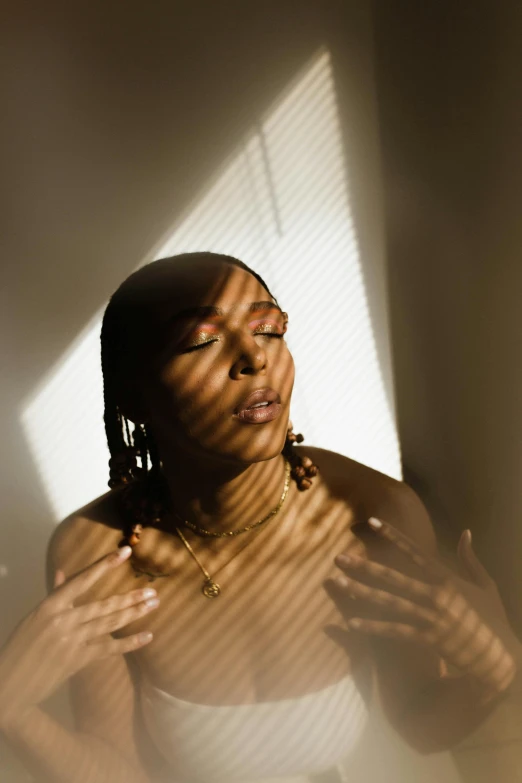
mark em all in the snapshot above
pixel 149 592
pixel 354 623
pixel 468 533
pixel 124 552
pixel 375 523
pixel 152 602
pixel 343 559
pixel 334 632
pixel 145 636
pixel 341 580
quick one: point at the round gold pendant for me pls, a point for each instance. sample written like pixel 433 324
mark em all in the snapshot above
pixel 210 589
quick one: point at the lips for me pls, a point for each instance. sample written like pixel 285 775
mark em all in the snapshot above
pixel 260 406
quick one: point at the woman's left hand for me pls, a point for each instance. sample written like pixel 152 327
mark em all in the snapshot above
pixel 462 620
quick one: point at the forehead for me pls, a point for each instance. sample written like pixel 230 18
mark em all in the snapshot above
pixel 200 283
pixel 152 299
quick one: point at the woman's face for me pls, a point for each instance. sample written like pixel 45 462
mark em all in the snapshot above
pixel 216 337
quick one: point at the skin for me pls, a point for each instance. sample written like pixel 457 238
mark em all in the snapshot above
pixel 230 474
pixel 279 628
pixel 188 398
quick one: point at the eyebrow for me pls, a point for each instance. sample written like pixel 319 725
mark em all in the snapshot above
pixel 210 310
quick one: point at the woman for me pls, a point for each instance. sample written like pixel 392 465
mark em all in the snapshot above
pixel 251 656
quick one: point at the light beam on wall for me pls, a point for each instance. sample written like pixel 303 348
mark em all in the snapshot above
pixel 280 203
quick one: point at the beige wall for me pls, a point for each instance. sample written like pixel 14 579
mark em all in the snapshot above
pixel 450 100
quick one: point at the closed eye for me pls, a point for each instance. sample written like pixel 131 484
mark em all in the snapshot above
pixel 210 342
pixel 198 347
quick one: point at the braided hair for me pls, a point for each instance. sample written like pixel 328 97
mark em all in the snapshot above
pixel 135 463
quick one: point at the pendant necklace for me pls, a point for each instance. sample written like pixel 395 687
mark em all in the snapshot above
pixel 210 588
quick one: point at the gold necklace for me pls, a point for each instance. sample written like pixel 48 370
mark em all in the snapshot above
pixel 200 531
pixel 211 589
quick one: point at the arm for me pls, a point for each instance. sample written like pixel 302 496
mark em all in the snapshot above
pixel 443 712
pixel 431 709
pixel 443 619
pixel 101 749
pixel 52 754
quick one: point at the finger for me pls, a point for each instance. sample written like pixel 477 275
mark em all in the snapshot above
pixel 384 576
pixel 98 609
pixel 388 630
pixel 113 622
pixel 407 546
pixel 82 581
pixel 119 646
pixel 339 635
pixel 381 599
pixel 59 578
pixel 470 561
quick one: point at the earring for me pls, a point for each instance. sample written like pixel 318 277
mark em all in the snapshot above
pixel 302 468
pixel 141 504
pixel 135 534
pixel 122 467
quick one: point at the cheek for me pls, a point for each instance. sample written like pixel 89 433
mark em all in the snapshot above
pixel 188 394
pixel 284 373
pixel 195 398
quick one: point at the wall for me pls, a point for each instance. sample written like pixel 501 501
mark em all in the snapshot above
pixel 450 101
pixel 450 113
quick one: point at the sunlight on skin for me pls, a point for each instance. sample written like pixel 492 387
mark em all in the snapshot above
pixel 271 621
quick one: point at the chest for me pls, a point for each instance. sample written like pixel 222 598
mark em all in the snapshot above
pixel 263 637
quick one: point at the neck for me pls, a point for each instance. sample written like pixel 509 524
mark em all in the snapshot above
pixel 222 497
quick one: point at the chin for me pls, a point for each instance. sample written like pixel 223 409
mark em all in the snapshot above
pixel 240 444
pixel 261 446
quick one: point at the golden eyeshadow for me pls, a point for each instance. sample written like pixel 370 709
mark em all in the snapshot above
pixel 267 325
pixel 267 328
pixel 210 333
pixel 201 337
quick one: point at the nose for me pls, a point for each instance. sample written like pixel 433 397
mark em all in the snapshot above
pixel 251 359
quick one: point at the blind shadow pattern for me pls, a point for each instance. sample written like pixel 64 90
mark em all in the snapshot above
pixel 282 204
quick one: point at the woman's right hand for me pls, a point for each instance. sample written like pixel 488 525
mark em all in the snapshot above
pixel 57 639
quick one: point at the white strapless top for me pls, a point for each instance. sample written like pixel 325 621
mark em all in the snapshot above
pixel 291 740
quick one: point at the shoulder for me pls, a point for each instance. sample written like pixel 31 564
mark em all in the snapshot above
pixel 372 493
pixel 84 536
pixel 343 474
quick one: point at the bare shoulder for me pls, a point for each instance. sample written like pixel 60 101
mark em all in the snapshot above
pixel 373 493
pixel 344 475
pixel 84 536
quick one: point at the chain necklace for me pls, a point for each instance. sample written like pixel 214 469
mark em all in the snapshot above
pixel 211 589
pixel 200 531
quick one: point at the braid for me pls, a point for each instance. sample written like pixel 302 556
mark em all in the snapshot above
pixel 115 424
pixel 124 447
pixel 145 493
pixel 140 441
pixel 155 461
